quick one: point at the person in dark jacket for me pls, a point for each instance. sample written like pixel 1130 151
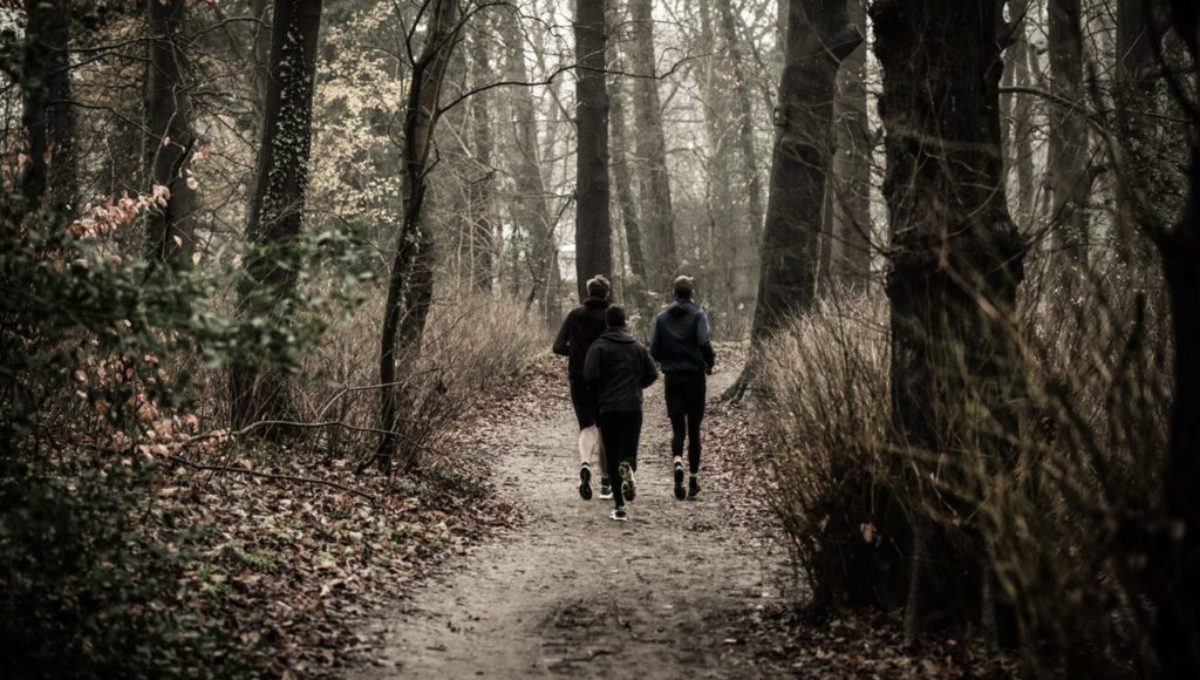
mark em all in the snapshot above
pixel 680 343
pixel 617 369
pixel 580 329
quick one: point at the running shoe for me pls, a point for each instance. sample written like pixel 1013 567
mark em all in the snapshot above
pixel 585 482
pixel 618 514
pixel 628 486
pixel 680 492
pixel 693 488
pixel 605 488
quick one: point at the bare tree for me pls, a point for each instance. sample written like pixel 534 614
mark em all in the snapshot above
pixel 410 285
pixel 956 257
pixel 1068 172
pixel 657 214
pixel 1179 585
pixel 480 188
pixel 593 230
pixel 851 195
pixel 48 115
pixel 819 37
pixel 169 232
pixel 745 119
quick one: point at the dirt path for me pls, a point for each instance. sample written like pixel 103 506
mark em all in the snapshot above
pixel 669 594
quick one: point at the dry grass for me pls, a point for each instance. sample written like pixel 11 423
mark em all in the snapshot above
pixel 1056 520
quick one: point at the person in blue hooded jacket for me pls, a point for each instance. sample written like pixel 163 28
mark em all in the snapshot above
pixel 680 343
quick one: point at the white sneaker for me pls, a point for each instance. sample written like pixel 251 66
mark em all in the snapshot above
pixel 618 514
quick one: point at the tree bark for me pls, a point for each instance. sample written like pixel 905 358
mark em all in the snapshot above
pixel 481 186
pixel 593 229
pixel 530 208
pixel 662 263
pixel 819 37
pixel 625 196
pixel 170 232
pixel 1177 636
pixel 410 286
pixel 955 254
pixel 276 211
pixel 50 175
pixel 1018 135
pixel 745 114
pixel 1067 172
pixel 852 167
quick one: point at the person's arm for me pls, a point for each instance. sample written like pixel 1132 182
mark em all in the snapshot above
pixel 704 337
pixel 649 370
pixel 591 365
pixel 655 341
pixel 562 342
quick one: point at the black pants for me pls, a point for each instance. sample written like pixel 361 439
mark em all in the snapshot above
pixel 620 431
pixel 583 401
pixel 685 394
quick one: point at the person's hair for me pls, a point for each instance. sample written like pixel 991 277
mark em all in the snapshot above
pixel 684 286
pixel 615 316
pixel 598 286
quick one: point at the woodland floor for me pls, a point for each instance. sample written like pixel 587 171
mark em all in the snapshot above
pixel 684 589
pixel 673 592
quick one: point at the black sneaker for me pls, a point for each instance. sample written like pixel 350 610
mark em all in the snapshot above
pixel 605 488
pixel 628 486
pixel 618 514
pixel 693 488
pixel 679 491
pixel 585 482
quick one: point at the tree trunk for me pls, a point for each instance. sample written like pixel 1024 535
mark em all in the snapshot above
pixel 410 286
pixel 170 232
pixel 1018 135
pixel 276 211
pixel 1177 637
pixel 1067 172
pixel 530 209
pixel 50 174
pixel 741 95
pixel 481 185
pixel 635 287
pixel 662 263
pixel 852 166
pixel 955 252
pixel 625 197
pixel 819 37
pixel 593 230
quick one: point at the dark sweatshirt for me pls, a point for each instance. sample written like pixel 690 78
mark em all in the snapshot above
pixel 617 369
pixel 580 329
pixel 680 340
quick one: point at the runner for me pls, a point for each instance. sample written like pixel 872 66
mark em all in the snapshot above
pixel 580 329
pixel 680 343
pixel 617 369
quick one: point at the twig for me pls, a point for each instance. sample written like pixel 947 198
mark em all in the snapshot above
pixel 267 475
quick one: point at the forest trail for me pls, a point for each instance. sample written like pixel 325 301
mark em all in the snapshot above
pixel 668 594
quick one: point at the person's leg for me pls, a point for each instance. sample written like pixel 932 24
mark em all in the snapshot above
pixel 609 434
pixel 630 431
pixel 695 417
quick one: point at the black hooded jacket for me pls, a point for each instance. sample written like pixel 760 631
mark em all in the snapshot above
pixel 580 329
pixel 617 369
pixel 680 339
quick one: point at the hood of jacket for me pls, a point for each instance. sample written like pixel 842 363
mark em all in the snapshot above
pixel 595 302
pixel 682 307
pixel 617 335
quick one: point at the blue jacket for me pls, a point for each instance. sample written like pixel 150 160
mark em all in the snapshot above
pixel 680 341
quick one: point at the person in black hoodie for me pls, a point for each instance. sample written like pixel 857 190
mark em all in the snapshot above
pixel 680 343
pixel 580 329
pixel 617 369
